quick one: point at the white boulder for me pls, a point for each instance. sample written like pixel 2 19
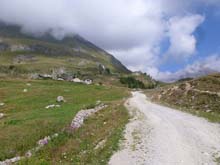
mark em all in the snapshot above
pixel 60 99
pixel 76 80
pixel 88 81
pixel 2 115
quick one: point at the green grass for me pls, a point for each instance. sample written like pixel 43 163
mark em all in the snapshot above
pixel 27 120
pixel 79 148
pixel 43 63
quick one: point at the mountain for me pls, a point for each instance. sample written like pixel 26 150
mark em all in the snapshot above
pixel 21 53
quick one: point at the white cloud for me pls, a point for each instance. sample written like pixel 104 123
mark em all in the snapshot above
pixel 180 32
pixel 139 58
pixel 202 67
pixel 115 24
pixel 131 29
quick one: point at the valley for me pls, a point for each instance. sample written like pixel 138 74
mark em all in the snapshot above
pixel 67 101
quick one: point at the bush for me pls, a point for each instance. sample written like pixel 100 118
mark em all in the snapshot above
pixel 131 82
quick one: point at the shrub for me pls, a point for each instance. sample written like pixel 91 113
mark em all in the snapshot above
pixel 131 82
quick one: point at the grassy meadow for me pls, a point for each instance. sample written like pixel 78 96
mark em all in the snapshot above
pixel 27 120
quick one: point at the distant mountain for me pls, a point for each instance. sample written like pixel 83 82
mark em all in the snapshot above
pixel 27 53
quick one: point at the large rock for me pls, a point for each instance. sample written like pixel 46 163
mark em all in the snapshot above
pixel 76 80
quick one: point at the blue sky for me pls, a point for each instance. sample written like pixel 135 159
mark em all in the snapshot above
pixel 208 34
pixel 168 39
pixel 208 41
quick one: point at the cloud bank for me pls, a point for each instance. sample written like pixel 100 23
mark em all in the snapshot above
pixel 132 30
pixel 202 67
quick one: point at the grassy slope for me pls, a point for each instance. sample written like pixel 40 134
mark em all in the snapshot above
pixel 198 103
pixel 43 64
pixel 27 120
pixel 57 51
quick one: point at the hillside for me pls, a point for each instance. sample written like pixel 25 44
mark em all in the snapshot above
pixel 85 126
pixel 22 54
pixel 200 96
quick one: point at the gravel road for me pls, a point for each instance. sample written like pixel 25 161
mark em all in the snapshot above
pixel 158 135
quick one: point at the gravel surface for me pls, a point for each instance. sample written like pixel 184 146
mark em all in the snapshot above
pixel 158 135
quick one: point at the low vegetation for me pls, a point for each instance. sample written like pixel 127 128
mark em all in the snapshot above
pixel 132 82
pixel 27 120
pixel 198 96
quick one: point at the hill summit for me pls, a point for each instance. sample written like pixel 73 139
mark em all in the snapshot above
pixel 21 53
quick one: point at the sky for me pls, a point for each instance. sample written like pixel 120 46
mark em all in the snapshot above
pixel 168 39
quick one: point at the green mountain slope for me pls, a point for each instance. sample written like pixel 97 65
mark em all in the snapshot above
pixel 22 54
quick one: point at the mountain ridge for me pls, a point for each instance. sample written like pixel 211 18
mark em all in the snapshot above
pixel 13 40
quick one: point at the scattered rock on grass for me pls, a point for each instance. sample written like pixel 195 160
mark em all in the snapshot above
pixel 100 144
pixel 25 90
pixel 2 104
pixel 44 141
pixel 28 84
pixel 209 110
pixel 2 115
pixel 98 102
pixel 41 143
pixel 60 99
pixel 28 154
pixel 52 106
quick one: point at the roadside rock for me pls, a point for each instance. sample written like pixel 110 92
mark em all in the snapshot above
pixel 100 144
